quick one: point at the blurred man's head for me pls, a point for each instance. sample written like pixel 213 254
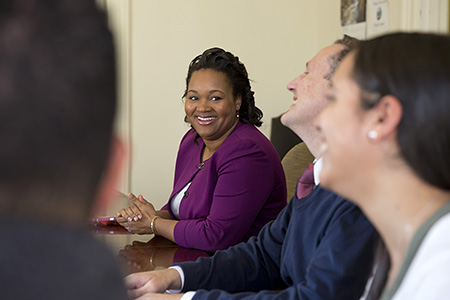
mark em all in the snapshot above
pixel 310 91
pixel 57 105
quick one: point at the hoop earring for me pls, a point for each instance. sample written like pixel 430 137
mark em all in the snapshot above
pixel 372 134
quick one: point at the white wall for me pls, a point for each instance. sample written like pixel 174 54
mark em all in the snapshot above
pixel 158 38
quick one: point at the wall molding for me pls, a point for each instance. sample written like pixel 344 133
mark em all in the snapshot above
pixel 119 21
pixel 425 15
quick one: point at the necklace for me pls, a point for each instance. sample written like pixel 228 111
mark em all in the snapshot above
pixel 419 215
pixel 405 239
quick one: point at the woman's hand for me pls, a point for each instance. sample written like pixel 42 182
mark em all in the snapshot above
pixel 138 216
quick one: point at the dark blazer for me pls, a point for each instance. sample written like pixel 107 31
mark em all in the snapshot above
pixel 233 194
pixel 41 261
pixel 319 247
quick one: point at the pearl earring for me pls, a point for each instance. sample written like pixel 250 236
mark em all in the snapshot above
pixel 237 114
pixel 372 134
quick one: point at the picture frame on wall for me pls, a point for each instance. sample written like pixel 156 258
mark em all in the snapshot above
pixel 353 18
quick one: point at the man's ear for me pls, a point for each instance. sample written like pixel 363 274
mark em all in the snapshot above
pixel 388 114
pixel 107 188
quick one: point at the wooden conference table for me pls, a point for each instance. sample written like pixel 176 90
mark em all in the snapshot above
pixel 146 252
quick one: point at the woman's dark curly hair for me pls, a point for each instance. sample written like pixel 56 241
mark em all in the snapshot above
pixel 225 62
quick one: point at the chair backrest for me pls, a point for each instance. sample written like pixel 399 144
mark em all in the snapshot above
pixel 282 138
pixel 294 163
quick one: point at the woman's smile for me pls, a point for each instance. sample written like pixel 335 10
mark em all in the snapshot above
pixel 205 120
pixel 210 105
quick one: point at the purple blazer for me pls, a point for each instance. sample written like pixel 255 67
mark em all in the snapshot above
pixel 233 194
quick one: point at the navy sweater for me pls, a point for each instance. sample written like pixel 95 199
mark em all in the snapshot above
pixel 319 247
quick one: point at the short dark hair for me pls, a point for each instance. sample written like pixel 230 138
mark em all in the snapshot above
pixel 349 43
pixel 225 62
pixel 415 68
pixel 57 102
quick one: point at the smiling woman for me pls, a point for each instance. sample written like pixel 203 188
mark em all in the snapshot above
pixel 211 108
pixel 387 130
pixel 229 181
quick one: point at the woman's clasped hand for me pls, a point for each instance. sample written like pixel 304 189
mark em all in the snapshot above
pixel 137 217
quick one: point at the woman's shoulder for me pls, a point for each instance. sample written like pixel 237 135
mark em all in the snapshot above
pixel 245 129
pixel 190 138
pixel 437 237
pixel 248 133
pixel 425 267
pixel 246 139
pixel 190 143
pixel 189 135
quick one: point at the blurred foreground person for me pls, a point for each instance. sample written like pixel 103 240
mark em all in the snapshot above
pixel 57 105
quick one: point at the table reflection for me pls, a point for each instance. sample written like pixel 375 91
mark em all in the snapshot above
pixel 147 252
pixel 136 252
pixel 157 253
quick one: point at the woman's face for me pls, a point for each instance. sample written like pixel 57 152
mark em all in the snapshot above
pixel 346 146
pixel 210 106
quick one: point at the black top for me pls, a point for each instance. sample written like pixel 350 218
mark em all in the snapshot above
pixel 39 261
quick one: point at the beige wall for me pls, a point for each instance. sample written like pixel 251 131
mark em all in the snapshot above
pixel 158 38
pixel 419 15
pixel 274 39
